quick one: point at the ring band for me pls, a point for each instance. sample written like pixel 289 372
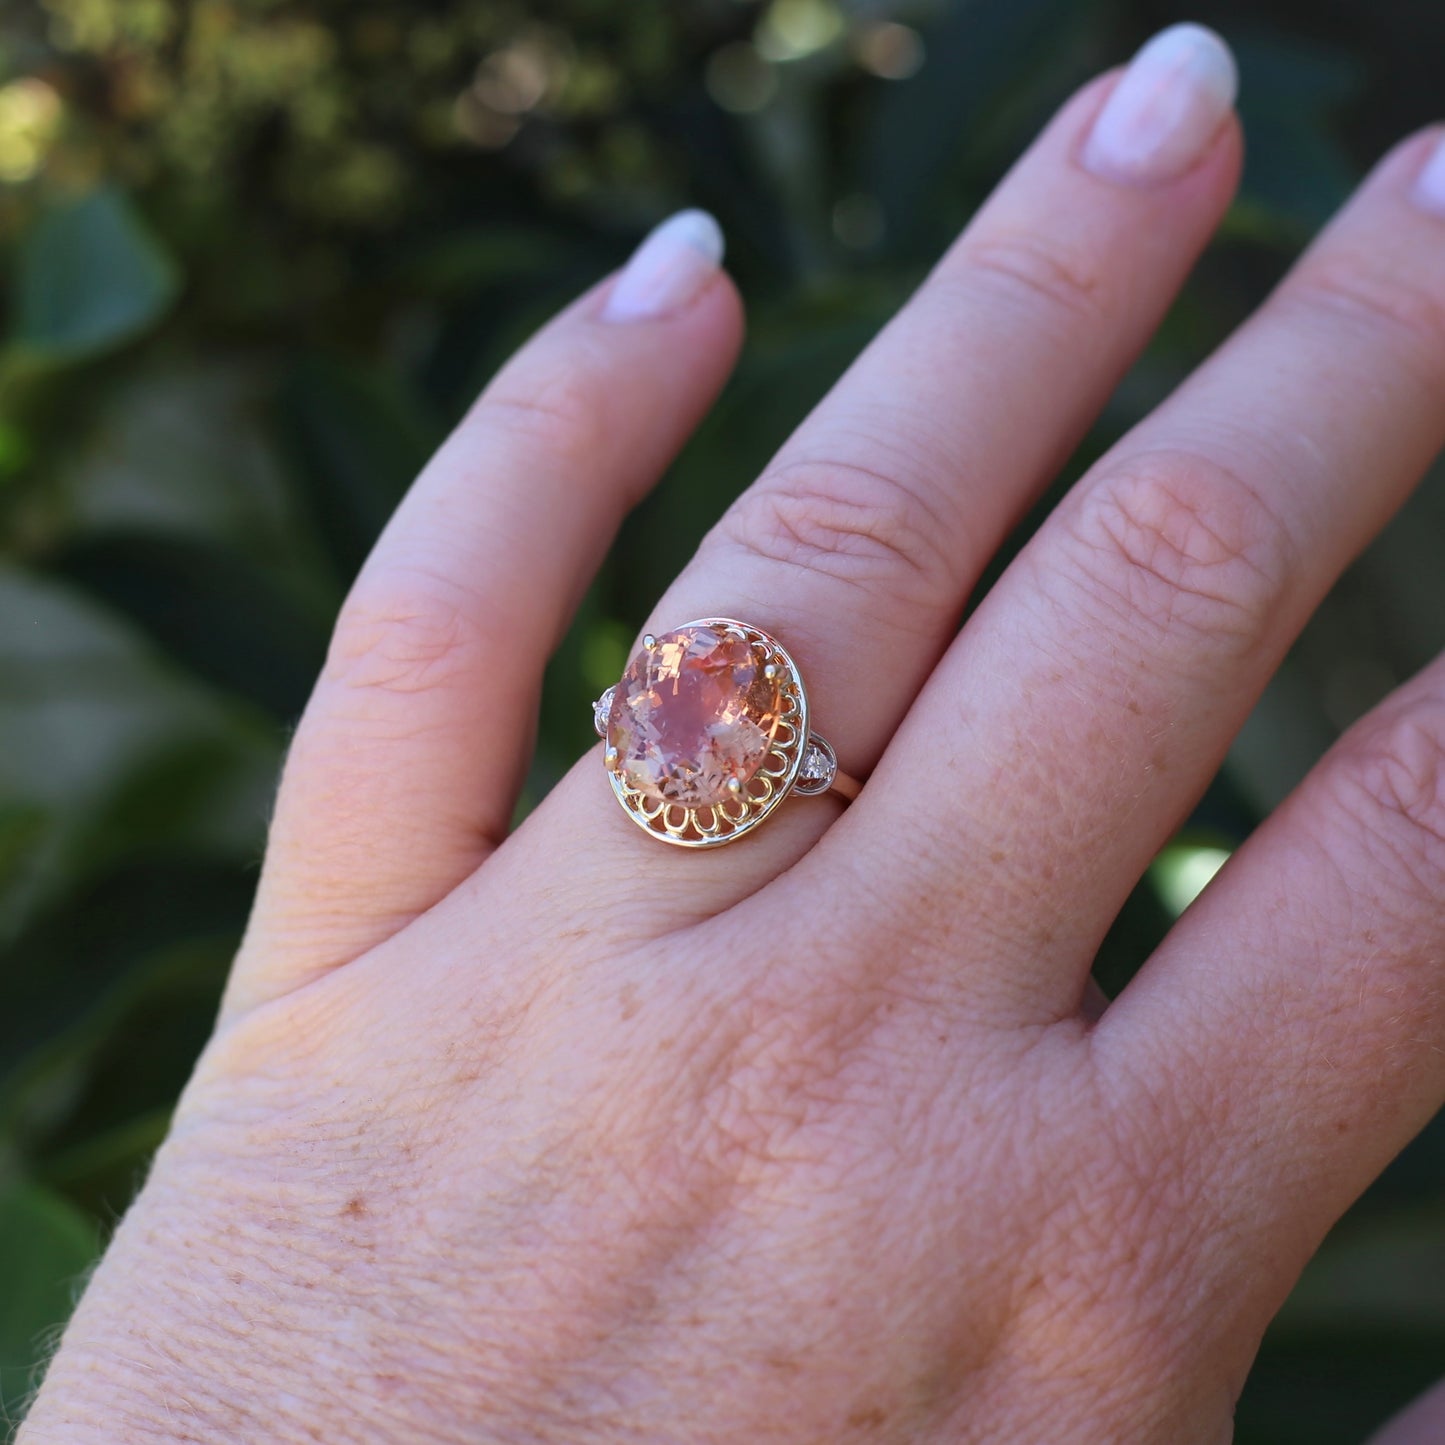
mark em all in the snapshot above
pixel 707 732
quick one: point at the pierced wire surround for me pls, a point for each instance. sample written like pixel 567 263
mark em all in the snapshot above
pixel 718 823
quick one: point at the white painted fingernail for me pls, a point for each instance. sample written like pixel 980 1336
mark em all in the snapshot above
pixel 1430 183
pixel 668 270
pixel 1166 109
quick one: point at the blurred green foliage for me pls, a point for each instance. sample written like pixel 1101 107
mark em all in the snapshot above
pixel 257 255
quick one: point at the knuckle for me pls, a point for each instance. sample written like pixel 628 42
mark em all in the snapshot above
pixel 1358 292
pixel 1036 273
pixel 846 520
pixel 406 635
pixel 1390 781
pixel 561 409
pixel 1182 542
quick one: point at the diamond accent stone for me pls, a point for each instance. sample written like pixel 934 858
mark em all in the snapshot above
pixel 695 716
pixel 816 765
pixel 600 710
pixel 819 768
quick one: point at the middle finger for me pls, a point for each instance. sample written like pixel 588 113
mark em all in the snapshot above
pixel 859 544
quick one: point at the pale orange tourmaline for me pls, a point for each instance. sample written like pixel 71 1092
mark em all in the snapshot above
pixel 693 714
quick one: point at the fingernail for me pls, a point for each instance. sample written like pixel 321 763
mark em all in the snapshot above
pixel 1430 183
pixel 1166 110
pixel 668 269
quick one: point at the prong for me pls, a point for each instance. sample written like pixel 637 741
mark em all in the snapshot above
pixel 735 788
pixel 649 642
pixel 612 757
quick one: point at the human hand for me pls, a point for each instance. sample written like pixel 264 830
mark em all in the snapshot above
pixel 569 1136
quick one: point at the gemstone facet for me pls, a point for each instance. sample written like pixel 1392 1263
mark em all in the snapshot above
pixel 694 712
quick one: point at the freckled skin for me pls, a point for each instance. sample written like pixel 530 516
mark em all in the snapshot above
pixel 554 1139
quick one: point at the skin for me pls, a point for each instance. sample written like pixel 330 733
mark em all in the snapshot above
pixel 567 1136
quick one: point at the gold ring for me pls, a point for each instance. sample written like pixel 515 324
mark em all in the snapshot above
pixel 707 733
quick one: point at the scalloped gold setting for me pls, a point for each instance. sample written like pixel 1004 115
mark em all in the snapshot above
pixel 713 824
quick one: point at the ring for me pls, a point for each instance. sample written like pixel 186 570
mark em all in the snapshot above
pixel 708 732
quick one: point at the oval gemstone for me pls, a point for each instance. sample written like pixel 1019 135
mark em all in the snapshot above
pixel 694 713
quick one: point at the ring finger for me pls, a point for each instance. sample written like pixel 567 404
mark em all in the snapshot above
pixel 859 544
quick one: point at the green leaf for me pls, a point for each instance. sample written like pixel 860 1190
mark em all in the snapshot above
pixel 88 711
pixel 1333 1388
pixel 1297 171
pixel 19 827
pixel 15 449
pixel 1382 1272
pixel 983 62
pixel 356 440
pixel 141 955
pixel 22 828
pixel 181 447
pixel 224 617
pixel 461 262
pixel 89 277
pixel 45 1247
pixel 106 1163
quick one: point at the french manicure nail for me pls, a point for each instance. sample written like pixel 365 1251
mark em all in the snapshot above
pixel 668 270
pixel 1166 109
pixel 1430 183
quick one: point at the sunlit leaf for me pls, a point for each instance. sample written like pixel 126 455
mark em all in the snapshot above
pixel 1184 870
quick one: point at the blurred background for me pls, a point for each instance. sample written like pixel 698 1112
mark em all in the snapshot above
pixel 256 256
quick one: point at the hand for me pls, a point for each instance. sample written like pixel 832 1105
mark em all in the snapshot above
pixel 572 1136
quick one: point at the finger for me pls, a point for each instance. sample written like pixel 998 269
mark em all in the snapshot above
pixel 405 769
pixel 1093 695
pixel 1291 1030
pixel 858 545
pixel 1421 1423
